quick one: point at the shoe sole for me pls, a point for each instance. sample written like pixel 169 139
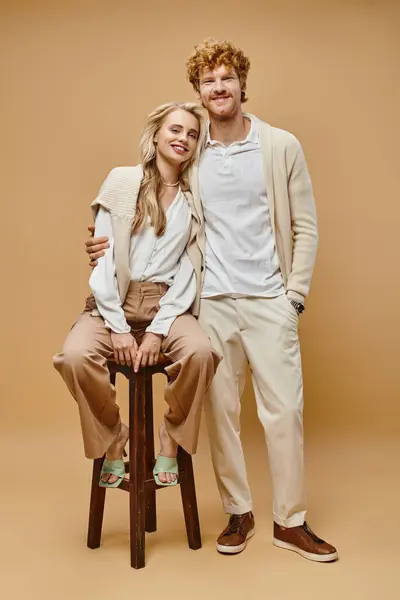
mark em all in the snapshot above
pixel 308 555
pixel 235 549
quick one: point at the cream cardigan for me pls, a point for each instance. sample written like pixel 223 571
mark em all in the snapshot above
pixel 291 206
pixel 118 195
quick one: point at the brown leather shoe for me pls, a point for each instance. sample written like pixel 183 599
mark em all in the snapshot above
pixel 234 537
pixel 303 541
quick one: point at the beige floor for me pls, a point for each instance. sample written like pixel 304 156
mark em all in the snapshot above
pixel 353 487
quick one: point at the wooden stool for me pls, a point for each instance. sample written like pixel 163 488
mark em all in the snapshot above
pixel 141 485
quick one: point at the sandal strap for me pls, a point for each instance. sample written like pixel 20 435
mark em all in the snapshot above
pixel 165 464
pixel 113 467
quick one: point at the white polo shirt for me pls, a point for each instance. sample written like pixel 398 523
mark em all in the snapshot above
pixel 241 257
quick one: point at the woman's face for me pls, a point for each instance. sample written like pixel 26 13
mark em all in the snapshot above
pixel 177 137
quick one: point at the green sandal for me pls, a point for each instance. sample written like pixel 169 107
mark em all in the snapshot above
pixel 112 467
pixel 164 464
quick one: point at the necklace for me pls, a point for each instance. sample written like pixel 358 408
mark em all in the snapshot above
pixel 169 184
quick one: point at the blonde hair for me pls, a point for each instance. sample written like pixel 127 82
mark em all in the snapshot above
pixel 148 206
pixel 213 53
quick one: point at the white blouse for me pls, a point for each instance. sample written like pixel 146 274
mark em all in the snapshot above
pixel 156 259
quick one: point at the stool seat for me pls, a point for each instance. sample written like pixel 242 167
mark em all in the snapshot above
pixel 162 363
pixel 141 485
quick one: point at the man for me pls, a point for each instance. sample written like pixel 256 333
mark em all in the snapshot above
pixel 253 192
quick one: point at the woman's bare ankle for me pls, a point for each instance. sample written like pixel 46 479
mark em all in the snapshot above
pixel 168 446
pixel 116 449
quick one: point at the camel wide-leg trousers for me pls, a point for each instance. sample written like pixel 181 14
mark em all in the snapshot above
pixel 264 333
pixel 83 366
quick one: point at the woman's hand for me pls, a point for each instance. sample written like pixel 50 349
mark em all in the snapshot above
pixel 125 348
pixel 149 351
pixel 95 247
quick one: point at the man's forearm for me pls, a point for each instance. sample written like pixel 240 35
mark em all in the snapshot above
pixel 304 229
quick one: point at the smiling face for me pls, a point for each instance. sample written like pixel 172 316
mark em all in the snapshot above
pixel 177 137
pixel 220 92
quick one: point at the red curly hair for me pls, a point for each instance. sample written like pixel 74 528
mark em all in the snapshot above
pixel 213 53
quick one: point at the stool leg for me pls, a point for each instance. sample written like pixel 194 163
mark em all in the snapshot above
pixel 189 500
pixel 97 500
pixel 96 510
pixel 137 459
pixel 151 513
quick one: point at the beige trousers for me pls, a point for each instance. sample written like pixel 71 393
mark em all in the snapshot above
pixel 83 366
pixel 264 333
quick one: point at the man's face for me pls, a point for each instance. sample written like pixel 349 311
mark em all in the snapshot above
pixel 219 92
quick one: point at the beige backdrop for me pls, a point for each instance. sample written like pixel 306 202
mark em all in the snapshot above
pixel 79 78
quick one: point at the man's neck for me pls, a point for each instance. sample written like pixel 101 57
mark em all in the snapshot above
pixel 231 130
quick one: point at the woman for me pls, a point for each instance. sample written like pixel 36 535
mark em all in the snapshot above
pixel 143 289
